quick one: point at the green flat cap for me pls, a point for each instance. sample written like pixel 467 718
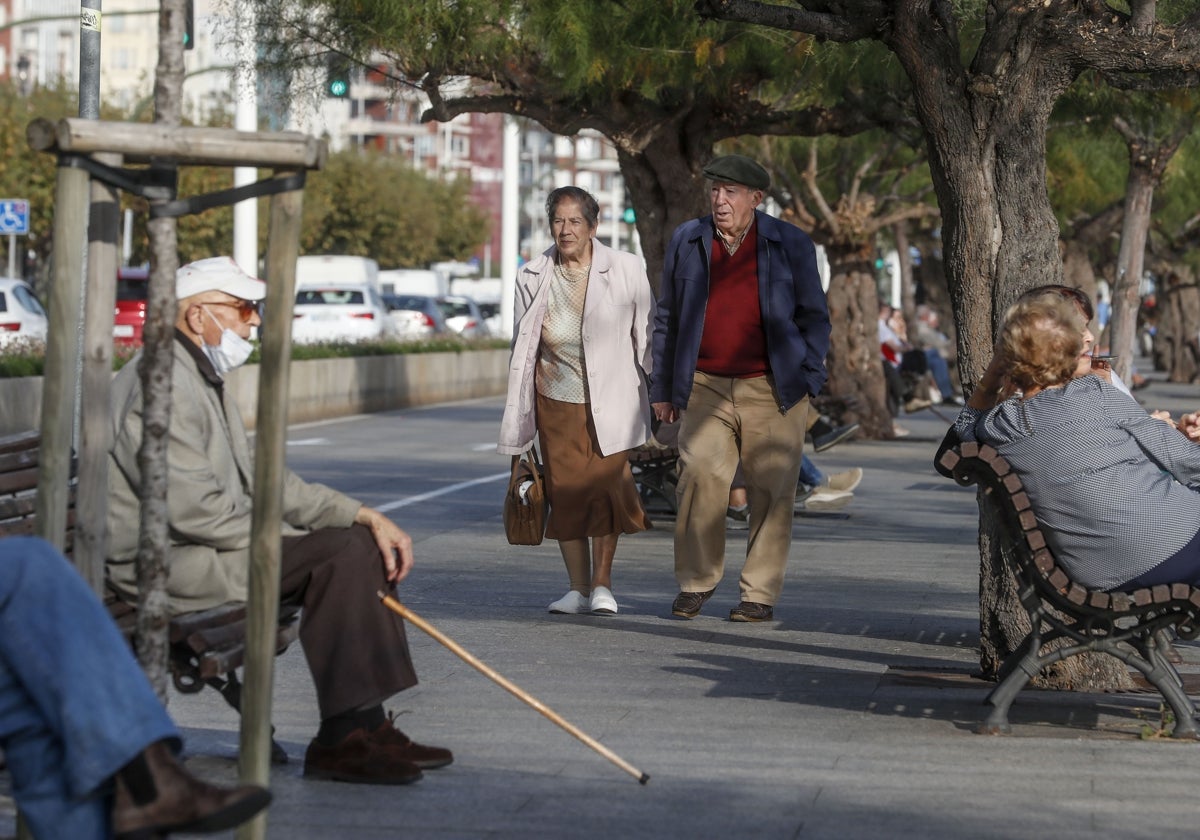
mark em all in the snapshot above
pixel 738 169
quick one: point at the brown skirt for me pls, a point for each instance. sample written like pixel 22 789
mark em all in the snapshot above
pixel 591 495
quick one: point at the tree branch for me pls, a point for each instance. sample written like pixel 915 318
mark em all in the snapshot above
pixel 858 21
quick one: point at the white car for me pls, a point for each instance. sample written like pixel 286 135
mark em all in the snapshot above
pixel 22 318
pixel 463 316
pixel 339 312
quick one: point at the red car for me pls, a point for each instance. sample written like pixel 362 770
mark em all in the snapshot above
pixel 130 314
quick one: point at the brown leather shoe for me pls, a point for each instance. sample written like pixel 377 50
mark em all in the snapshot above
pixel 358 760
pixel 688 604
pixel 156 795
pixel 398 744
pixel 751 611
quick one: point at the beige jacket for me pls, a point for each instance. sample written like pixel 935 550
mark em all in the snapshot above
pixel 617 314
pixel 211 473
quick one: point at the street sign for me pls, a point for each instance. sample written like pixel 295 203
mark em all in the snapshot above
pixel 14 216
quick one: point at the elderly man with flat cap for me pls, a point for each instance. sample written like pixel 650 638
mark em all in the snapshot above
pixel 337 553
pixel 740 337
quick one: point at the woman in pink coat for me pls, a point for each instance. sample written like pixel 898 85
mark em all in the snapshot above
pixel 580 360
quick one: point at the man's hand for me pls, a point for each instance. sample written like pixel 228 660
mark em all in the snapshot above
pixel 665 412
pixel 394 543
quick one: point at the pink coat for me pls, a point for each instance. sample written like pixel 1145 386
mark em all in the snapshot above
pixel 617 316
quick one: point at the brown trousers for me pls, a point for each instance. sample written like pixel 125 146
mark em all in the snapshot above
pixel 356 648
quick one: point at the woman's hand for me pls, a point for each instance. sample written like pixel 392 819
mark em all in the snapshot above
pixel 1189 424
pixel 395 545
pixel 665 412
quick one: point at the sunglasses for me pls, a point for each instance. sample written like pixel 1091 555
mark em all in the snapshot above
pixel 247 309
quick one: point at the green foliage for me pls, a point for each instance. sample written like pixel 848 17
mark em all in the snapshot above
pixel 1085 170
pixel 579 55
pixel 25 173
pixel 29 360
pixel 378 206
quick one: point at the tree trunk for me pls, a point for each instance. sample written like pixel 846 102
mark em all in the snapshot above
pixel 155 373
pixel 854 361
pixel 1126 296
pixel 987 159
pixel 1178 328
pixel 667 189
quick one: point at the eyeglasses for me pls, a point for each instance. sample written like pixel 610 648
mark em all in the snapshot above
pixel 247 309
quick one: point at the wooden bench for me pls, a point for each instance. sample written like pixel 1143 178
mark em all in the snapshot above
pixel 1068 619
pixel 206 647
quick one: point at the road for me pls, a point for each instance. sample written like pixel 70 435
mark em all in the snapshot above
pixel 849 716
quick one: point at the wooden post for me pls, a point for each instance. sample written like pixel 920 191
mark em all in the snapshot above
pixel 283 247
pixel 95 430
pixel 62 354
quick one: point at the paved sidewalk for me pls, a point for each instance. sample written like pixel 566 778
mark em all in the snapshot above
pixel 849 716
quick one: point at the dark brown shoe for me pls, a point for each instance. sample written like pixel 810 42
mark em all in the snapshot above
pixel 751 611
pixel 358 760
pixel 156 795
pixel 688 604
pixel 400 745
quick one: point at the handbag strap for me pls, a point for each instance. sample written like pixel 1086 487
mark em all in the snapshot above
pixel 538 479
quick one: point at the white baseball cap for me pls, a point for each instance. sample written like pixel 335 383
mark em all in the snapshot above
pixel 217 274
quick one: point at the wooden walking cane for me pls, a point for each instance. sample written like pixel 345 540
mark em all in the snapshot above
pixel 403 611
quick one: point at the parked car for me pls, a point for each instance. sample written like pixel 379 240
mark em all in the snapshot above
pixel 339 312
pixel 463 316
pixel 415 316
pixel 22 318
pixel 129 317
pixel 491 317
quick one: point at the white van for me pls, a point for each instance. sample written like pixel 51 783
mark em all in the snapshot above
pixel 413 281
pixel 336 268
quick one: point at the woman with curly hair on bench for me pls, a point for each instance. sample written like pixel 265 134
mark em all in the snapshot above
pixel 1116 489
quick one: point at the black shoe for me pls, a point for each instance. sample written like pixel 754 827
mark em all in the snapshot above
pixel 688 604
pixel 751 611
pixel 825 436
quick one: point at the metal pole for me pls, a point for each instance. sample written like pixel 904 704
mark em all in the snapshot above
pixel 89 59
pixel 245 213
pixel 12 255
pixel 509 222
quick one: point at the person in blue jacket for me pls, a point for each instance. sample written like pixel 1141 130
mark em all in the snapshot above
pixel 740 336
pixel 89 746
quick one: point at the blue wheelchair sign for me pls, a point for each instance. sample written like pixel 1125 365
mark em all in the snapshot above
pixel 14 216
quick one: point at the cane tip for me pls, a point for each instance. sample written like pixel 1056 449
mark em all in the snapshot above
pixel 645 778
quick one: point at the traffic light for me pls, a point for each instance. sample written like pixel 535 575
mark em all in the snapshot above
pixel 189 25
pixel 629 217
pixel 337 76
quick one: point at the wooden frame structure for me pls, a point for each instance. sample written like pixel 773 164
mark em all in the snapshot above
pixel 90 156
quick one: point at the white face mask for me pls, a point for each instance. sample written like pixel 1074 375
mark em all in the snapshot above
pixel 231 353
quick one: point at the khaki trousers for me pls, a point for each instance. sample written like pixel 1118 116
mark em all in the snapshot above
pixel 728 420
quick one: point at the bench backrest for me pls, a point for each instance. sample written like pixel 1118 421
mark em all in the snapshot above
pixel 975 463
pixel 19 457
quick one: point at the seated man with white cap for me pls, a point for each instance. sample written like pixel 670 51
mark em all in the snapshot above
pixel 337 553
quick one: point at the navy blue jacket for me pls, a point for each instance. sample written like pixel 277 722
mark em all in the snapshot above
pixel 795 315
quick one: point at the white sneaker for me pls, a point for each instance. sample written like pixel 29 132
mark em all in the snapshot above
pixel 603 601
pixel 573 603
pixel 824 498
pixel 847 480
